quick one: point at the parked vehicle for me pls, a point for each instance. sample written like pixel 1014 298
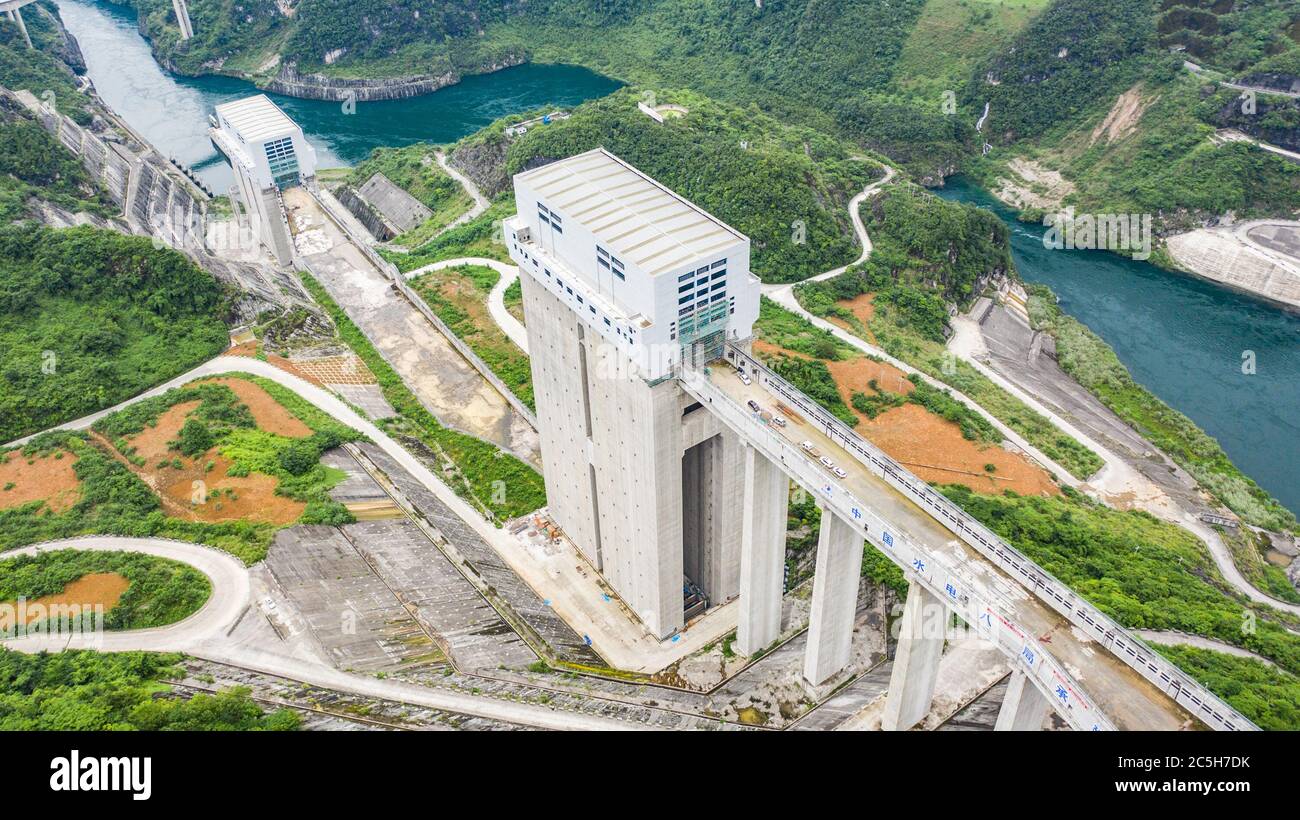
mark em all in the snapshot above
pixel 808 446
pixel 744 379
pixel 778 421
pixel 753 405
pixel 827 463
pixel 839 472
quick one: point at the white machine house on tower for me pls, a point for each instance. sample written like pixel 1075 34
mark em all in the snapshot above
pixel 267 152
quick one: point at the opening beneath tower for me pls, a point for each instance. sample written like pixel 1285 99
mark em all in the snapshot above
pixel 701 526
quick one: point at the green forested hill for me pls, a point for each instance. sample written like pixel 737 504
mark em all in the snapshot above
pixel 876 72
pixel 784 186
pixel 1097 90
pixel 90 317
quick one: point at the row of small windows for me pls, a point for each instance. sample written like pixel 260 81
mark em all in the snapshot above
pixel 629 335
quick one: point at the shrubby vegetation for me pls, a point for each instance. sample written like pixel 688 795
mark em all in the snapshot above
pixel 1105 44
pixel 1268 696
pixel 480 467
pixel 221 420
pixel 814 380
pixel 752 171
pixel 927 252
pixel 114 501
pixel 33 165
pixel 160 591
pixel 1143 572
pixel 1094 365
pixel 80 690
pixel 414 169
pixel 42 68
pixel 780 327
pixel 89 318
pixel 478 237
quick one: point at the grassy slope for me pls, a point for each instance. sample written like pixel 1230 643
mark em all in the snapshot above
pixel 414 169
pixel 951 36
pixel 1046 105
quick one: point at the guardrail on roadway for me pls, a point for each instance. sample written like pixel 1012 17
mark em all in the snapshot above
pixel 1186 692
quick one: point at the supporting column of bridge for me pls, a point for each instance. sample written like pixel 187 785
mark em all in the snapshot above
pixel 183 19
pixel 835 599
pixel 762 552
pixel 17 16
pixel 916 660
pixel 1024 708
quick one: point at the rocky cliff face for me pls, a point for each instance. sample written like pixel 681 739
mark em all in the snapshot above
pixel 291 82
pixel 1274 120
pixel 484 161
pixel 320 87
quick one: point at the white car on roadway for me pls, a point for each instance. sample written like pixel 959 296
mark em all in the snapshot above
pixel 807 446
pixel 839 472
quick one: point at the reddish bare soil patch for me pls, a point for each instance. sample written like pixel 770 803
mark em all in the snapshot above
pixel 934 449
pixel 248 349
pixel 863 308
pixel 221 496
pixel 269 414
pixel 47 478
pixel 855 376
pixel 194 493
pixel 93 589
pixel 930 446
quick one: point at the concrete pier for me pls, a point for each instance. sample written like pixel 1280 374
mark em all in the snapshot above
pixel 835 598
pixel 1024 708
pixel 762 552
pixel 916 661
pixel 17 16
pixel 183 19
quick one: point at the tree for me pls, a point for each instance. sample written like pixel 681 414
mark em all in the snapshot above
pixel 195 438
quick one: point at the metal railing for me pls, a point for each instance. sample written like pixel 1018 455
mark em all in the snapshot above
pixel 1186 692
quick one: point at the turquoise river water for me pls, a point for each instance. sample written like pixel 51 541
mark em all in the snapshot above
pixel 1182 338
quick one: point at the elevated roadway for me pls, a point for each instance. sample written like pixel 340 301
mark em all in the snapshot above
pixel 1095 673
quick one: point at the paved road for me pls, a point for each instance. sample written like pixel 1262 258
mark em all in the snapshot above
pixel 230 596
pixel 1168 638
pixel 480 202
pixel 784 296
pixel 509 325
pixel 204 635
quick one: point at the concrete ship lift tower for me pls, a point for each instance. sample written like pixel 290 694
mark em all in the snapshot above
pixel 665 466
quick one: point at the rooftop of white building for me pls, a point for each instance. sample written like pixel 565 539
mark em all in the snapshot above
pixel 256 118
pixel 630 214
